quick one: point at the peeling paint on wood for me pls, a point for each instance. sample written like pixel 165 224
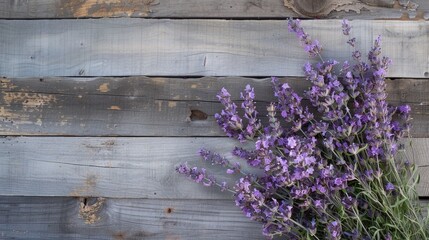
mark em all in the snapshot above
pixel 28 101
pixel 114 107
pixel 104 88
pixel 322 8
pixel 5 84
pixel 106 8
pixel 172 104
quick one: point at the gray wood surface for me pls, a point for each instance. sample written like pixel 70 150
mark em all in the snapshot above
pixel 107 167
pixel 119 219
pixel 52 185
pixel 159 47
pixel 141 106
pixel 365 9
pixel 124 167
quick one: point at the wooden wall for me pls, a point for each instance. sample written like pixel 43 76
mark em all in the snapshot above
pixel 101 99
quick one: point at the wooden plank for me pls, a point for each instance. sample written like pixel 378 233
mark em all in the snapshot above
pixel 418 152
pixel 69 218
pixel 107 167
pixel 61 218
pixel 141 106
pixel 208 9
pixel 122 167
pixel 136 106
pixel 162 47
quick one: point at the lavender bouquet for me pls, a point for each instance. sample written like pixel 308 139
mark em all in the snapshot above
pixel 330 170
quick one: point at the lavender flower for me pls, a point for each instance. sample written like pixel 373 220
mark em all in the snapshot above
pixel 346 27
pixel 390 187
pixel 404 109
pixel 231 123
pixel 311 46
pixel 197 175
pixel 334 230
pixel 250 112
pixel 323 170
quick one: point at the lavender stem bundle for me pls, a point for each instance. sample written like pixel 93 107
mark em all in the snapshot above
pixel 330 170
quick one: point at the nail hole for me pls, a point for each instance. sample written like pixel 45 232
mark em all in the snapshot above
pixel 169 210
pixel 41 79
pixel 197 115
pixel 426 74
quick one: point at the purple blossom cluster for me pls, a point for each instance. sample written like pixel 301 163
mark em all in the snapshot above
pixel 318 160
pixel 313 47
pixel 231 122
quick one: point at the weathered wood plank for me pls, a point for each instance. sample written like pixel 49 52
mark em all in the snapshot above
pixel 70 218
pixel 162 47
pixel 122 167
pixel 61 218
pixel 141 106
pixel 107 167
pixel 417 151
pixel 368 9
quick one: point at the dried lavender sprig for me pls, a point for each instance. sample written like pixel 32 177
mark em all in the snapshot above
pixel 346 27
pixel 250 112
pixel 216 159
pixel 228 119
pixel 201 176
pixel 313 47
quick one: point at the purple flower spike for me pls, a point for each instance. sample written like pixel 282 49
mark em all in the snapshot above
pixel 291 142
pixel 250 112
pixel 312 47
pixel 196 175
pixel 214 158
pixel 352 42
pixel 228 119
pixel 388 237
pixel 390 187
pixel 334 230
pixel 346 27
pixel 404 109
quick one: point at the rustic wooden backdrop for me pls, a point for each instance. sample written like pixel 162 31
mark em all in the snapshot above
pixel 101 99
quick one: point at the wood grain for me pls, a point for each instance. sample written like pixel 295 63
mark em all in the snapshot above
pixel 119 219
pixel 158 47
pixel 123 167
pixel 105 167
pixel 142 106
pixel 366 9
